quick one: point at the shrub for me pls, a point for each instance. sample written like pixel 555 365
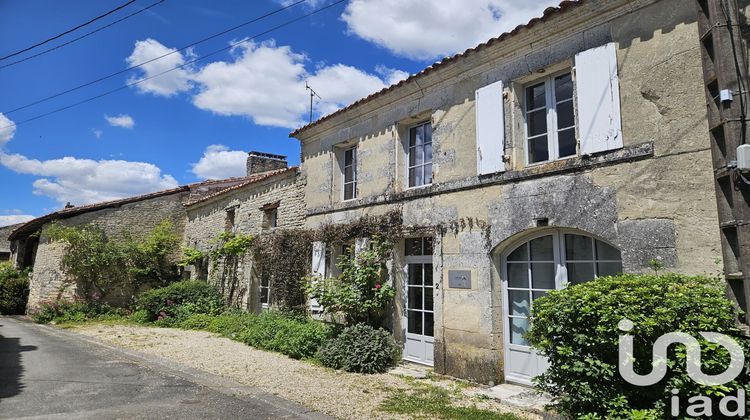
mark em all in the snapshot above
pixel 14 290
pixel 230 325
pixel 295 337
pixel 577 329
pixel 178 301
pixel 74 311
pixel 197 322
pixel 362 349
pixel 360 293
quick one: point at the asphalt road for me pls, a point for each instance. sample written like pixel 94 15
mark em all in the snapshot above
pixel 49 373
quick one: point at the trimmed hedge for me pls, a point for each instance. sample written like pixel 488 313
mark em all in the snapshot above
pixel 577 329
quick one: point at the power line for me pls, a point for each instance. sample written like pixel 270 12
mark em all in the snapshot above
pixel 13 63
pixel 68 31
pixel 117 73
pixel 230 46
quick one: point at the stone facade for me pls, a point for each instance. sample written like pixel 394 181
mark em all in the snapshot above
pixel 48 281
pixel 5 250
pixel 652 198
pixel 246 210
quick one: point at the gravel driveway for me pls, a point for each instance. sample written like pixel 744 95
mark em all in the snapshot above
pixel 340 394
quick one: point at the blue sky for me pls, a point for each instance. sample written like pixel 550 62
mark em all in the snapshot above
pixel 198 122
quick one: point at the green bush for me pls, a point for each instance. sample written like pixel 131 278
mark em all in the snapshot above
pixel 362 349
pixel 293 336
pixel 14 290
pixel 75 311
pixel 577 329
pixel 171 304
pixel 197 322
pixel 230 325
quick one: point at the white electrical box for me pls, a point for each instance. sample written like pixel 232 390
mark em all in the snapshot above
pixel 725 95
pixel 743 158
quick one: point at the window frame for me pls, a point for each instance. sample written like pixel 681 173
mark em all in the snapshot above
pixel 230 221
pixel 353 182
pixel 267 303
pixel 270 219
pixel 552 133
pixel 407 148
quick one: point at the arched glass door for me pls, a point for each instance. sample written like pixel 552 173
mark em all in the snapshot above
pixel 544 262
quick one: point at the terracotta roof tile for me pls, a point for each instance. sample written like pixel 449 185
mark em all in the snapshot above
pixel 251 180
pixel 549 12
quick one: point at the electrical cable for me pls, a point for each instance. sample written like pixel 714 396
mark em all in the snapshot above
pixel 56 47
pixel 230 46
pixel 135 66
pixel 738 71
pixel 68 31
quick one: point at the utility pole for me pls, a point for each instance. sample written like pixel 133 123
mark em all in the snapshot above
pixel 725 78
pixel 313 94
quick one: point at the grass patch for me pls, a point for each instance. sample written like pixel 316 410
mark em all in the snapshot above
pixel 430 401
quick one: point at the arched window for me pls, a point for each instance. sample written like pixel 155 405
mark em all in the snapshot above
pixel 543 262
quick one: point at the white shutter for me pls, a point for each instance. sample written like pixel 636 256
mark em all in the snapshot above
pixel 318 270
pixel 319 259
pixel 598 95
pixel 490 129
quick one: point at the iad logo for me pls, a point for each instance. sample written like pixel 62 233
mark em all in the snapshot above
pixel 700 405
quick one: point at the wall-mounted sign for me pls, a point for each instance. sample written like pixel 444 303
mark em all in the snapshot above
pixel 459 279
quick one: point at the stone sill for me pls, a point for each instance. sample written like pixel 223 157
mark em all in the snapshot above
pixel 577 164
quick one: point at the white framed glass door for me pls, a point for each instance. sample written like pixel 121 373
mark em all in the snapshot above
pixel 419 315
pixel 540 263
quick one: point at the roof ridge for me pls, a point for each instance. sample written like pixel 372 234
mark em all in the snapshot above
pixel 562 7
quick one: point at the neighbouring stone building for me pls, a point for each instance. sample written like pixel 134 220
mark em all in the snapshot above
pixel 258 206
pixel 32 248
pixel 5 232
pixel 572 147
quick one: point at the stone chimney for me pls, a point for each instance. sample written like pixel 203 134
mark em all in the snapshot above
pixel 258 162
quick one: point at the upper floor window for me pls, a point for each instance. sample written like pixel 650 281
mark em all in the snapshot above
pixel 350 173
pixel 550 119
pixel 420 155
pixel 230 225
pixel 270 215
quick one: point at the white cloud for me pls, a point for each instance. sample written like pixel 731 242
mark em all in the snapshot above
pixel 266 83
pixel 425 29
pixel 85 181
pixel 14 219
pixel 218 162
pixel 168 84
pixel 122 120
pixel 97 133
pixel 7 130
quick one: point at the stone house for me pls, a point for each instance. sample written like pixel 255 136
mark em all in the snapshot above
pixel 573 147
pixel 32 248
pixel 5 232
pixel 257 206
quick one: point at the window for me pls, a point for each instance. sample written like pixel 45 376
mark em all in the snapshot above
pixel 270 215
pixel 420 288
pixel 350 173
pixel 271 218
pixel 550 119
pixel 546 263
pixel 229 224
pixel 265 291
pixel 420 155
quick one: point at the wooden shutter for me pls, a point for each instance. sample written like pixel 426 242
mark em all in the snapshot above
pixel 490 129
pixel 598 96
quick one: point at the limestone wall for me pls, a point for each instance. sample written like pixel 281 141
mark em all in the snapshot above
pixel 207 220
pixel 48 282
pixel 653 198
